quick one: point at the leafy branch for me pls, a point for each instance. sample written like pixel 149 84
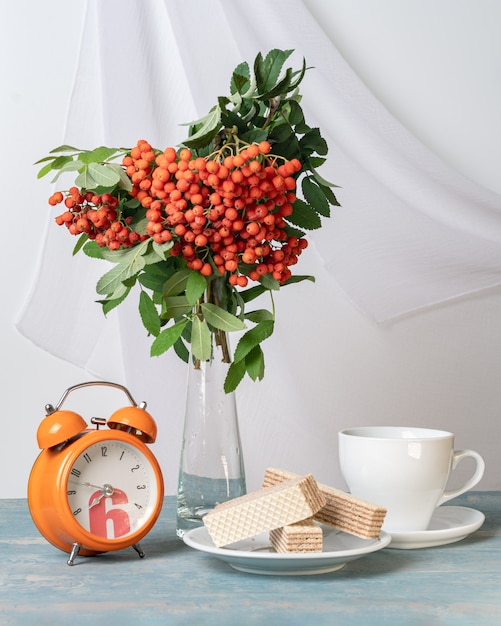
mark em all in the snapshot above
pixel 180 306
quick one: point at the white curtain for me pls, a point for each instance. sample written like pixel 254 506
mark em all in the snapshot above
pixel 411 232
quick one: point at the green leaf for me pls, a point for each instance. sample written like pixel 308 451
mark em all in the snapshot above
pixel 139 224
pixel 296 115
pixel 315 196
pixel 85 181
pixel 108 305
pixel 201 344
pixel 131 203
pixel 320 180
pixel 329 194
pixel 116 276
pixel 252 338
pixel 254 363
pixel 80 243
pixel 281 133
pixel 120 290
pixel 313 142
pixel 280 88
pixel 149 314
pixel 259 315
pixel 235 374
pixel 268 70
pixel 177 283
pixel 130 264
pixel 240 79
pixel 252 293
pixel 125 182
pixel 98 155
pixel 71 166
pixel 238 302
pixel 254 136
pixel 154 276
pixel 195 286
pixel 44 160
pixel 295 278
pixel 300 75
pixel 167 338
pixel 103 175
pixel 65 148
pixel 314 162
pixel 125 254
pixel 207 129
pixel 162 250
pixel 45 170
pixel 269 283
pixel 176 306
pixel 60 162
pixel 181 350
pixel 220 318
pixel 91 249
pixel 304 216
pixel 294 232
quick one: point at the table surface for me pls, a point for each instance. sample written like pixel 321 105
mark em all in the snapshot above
pixel 458 584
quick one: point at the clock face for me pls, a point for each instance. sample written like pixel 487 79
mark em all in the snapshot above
pixel 112 489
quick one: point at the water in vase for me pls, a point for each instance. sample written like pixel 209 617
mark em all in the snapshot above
pixel 197 495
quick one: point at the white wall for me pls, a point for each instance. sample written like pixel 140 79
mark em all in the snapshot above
pixel 435 64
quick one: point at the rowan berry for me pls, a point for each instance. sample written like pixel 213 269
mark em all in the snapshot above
pixel 206 269
pixel 253 150
pixel 201 241
pixel 249 256
pixel 264 147
pixel 253 228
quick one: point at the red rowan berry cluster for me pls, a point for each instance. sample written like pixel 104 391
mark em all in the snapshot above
pixel 97 217
pixel 225 213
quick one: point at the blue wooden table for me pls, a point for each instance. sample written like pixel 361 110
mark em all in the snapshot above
pixel 457 584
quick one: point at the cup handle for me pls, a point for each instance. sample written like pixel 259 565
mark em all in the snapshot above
pixel 458 455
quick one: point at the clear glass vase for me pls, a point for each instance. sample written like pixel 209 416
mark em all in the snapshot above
pixel 211 466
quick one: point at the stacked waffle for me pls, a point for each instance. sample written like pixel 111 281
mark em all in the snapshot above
pixel 341 510
pixel 303 536
pixel 288 506
pixel 290 501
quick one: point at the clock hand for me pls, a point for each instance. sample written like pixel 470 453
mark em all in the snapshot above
pixel 96 501
pixel 86 484
pixel 106 489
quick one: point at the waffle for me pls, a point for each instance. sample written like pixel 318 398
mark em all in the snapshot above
pixel 342 510
pixel 268 508
pixel 304 536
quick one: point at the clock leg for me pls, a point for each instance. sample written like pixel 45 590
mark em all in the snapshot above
pixel 74 553
pixel 138 549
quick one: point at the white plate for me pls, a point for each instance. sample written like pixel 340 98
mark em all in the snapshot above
pixel 448 524
pixel 256 555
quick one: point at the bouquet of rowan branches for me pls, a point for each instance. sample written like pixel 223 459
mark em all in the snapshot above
pixel 206 227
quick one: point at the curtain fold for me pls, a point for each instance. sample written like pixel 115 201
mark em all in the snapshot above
pixel 411 232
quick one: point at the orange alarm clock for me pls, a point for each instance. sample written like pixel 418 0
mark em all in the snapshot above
pixel 94 490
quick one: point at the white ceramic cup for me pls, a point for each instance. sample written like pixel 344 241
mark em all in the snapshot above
pixel 404 469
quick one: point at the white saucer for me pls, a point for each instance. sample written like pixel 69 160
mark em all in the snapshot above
pixel 448 524
pixel 256 555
